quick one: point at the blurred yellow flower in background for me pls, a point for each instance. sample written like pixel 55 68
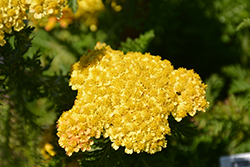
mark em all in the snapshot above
pixel 47 148
pixel 66 19
pixel 42 8
pixel 127 98
pixel 46 13
pixel 13 12
pixel 87 13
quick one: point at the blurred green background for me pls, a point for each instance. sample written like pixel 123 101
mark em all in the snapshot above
pixel 194 34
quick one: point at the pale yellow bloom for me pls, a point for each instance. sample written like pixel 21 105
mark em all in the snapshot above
pixel 88 11
pixel 116 7
pixel 13 12
pixel 42 8
pixel 128 98
pixel 49 149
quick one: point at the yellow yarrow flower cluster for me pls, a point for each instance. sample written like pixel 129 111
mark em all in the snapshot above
pixel 13 12
pixel 87 12
pixel 42 8
pixel 127 98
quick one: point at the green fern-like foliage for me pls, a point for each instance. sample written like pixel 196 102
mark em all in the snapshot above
pixel 240 85
pixel 214 87
pixel 139 44
pixel 22 82
pixel 103 155
pixel 230 13
pixel 244 24
pixel 225 130
pixel 228 125
pixel 73 5
pixel 240 81
pixel 235 71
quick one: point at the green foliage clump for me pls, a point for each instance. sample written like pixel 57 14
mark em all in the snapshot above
pixel 73 5
pixel 226 129
pixel 244 24
pixel 138 44
pixel 22 83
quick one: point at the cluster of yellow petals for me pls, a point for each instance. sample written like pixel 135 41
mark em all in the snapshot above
pixel 13 12
pixel 76 127
pixel 127 98
pixel 191 93
pixel 87 12
pixel 42 8
pixel 50 23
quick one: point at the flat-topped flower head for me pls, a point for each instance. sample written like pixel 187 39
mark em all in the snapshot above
pixel 130 97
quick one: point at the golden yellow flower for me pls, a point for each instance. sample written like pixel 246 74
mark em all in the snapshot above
pixel 128 98
pixel 42 8
pixel 88 11
pixel 49 149
pixel 13 12
pixel 75 129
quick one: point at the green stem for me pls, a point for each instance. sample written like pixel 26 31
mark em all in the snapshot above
pixel 103 155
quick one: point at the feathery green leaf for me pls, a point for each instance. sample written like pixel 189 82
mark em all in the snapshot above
pixel 238 86
pixel 73 5
pixel 244 24
pixel 139 44
pixel 235 71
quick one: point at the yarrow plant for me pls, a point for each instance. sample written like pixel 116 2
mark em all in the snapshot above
pixel 13 12
pixel 127 98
